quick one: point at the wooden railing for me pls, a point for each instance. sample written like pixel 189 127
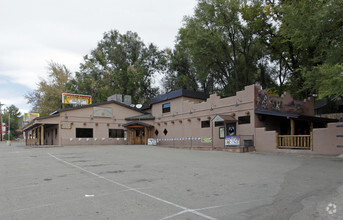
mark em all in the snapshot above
pixel 294 141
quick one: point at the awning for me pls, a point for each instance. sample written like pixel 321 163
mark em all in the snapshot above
pixel 295 116
pixel 225 118
pixel 137 123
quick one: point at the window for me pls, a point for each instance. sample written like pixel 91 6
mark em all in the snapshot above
pixel 244 120
pixel 165 132
pixel 84 132
pixel 166 107
pixel 219 124
pixel 156 132
pixel 115 133
pixel 205 124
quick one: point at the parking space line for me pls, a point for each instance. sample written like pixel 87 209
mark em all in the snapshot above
pixel 135 190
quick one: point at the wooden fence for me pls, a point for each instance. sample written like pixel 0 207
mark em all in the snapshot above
pixel 294 141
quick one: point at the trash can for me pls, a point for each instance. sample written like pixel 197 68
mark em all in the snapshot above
pixel 248 143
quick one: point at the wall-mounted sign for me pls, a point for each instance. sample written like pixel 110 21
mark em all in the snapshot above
pixel 30 116
pixel 222 132
pixel 206 139
pixel 4 128
pixel 233 140
pixel 66 125
pixel 76 99
pixel 105 112
pixel 152 141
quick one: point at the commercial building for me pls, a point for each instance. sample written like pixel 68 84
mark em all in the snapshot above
pixel 253 119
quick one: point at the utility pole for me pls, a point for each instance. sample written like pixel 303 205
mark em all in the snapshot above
pixel 9 129
pixel 1 120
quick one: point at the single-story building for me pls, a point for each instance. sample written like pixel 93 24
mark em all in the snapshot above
pixel 253 119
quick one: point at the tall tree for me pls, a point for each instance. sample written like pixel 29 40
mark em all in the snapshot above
pixel 223 50
pixel 180 71
pixel 48 96
pixel 121 64
pixel 310 34
pixel 12 116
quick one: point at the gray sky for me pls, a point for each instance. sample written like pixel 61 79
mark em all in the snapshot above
pixel 38 31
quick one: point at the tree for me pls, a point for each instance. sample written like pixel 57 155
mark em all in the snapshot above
pixel 310 41
pixel 48 96
pixel 180 71
pixel 121 64
pixel 220 47
pixel 12 113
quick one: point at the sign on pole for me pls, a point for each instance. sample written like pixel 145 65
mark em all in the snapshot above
pixel 76 99
pixel 30 116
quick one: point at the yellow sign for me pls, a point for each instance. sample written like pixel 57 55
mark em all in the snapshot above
pixel 206 139
pixel 30 116
pixel 76 99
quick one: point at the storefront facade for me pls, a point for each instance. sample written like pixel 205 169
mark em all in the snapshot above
pixel 186 119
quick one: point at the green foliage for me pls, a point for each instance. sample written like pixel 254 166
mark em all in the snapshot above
pixel 284 45
pixel 221 50
pixel 12 117
pixel 326 79
pixel 5 137
pixel 48 96
pixel 121 64
pixel 311 32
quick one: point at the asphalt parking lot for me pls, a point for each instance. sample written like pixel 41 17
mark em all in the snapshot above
pixel 146 182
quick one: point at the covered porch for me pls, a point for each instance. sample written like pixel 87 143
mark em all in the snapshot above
pixel 293 131
pixel 138 132
pixel 39 134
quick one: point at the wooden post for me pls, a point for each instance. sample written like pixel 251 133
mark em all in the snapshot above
pixel 42 135
pixel 26 138
pixel 311 140
pixel 277 140
pixel 292 126
pixel 145 136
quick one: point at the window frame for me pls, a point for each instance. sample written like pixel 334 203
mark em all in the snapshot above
pixel 77 134
pixel 118 133
pixel 244 120
pixel 207 125
pixel 166 109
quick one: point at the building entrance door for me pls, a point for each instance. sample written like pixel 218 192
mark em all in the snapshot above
pixel 138 136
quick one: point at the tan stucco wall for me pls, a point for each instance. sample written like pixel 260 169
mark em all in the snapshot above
pixel 265 141
pixel 84 118
pixel 325 140
pixel 186 115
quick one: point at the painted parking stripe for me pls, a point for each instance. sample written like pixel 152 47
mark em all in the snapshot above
pixel 135 190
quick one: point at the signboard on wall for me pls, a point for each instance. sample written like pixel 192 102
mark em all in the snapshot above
pixel 206 139
pixel 4 128
pixel 105 112
pixel 152 141
pixel 30 116
pixel 233 140
pixel 76 99
pixel 66 125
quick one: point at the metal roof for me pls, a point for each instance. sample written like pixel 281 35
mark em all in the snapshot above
pixel 179 93
pixel 227 118
pixel 296 116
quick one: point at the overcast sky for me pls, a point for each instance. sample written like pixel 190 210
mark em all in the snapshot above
pixel 34 32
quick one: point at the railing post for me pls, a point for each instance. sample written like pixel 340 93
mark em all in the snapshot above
pixel 311 141
pixel 277 139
